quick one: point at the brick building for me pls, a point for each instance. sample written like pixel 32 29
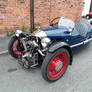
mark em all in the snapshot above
pixel 15 13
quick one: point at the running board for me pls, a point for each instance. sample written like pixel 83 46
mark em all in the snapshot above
pixel 84 42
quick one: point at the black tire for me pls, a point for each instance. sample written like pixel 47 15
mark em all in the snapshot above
pixel 11 42
pixel 46 62
pixel 88 16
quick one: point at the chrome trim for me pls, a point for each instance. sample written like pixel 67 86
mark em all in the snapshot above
pixel 84 42
pixel 76 45
pixel 18 32
pixel 41 52
pixel 40 34
pixel 24 44
pixel 33 65
pixel 87 41
pixel 45 41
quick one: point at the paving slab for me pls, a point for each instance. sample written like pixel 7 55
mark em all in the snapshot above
pixel 4 43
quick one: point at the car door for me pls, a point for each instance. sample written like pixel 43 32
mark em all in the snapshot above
pixel 76 38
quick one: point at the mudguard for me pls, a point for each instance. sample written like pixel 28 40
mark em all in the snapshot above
pixel 13 36
pixel 23 34
pixel 59 45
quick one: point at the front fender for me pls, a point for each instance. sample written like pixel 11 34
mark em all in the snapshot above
pixel 59 45
pixel 13 36
pixel 23 34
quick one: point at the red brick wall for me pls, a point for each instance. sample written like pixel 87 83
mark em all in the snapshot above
pixel 15 13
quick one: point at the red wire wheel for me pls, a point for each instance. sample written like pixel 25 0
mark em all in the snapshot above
pixel 55 65
pixel 13 48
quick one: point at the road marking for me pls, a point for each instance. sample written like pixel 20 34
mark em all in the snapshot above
pixel 3 52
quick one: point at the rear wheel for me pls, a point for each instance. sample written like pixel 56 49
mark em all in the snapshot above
pixel 14 48
pixel 55 65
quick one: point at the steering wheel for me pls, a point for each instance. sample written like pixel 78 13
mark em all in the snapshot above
pixel 54 22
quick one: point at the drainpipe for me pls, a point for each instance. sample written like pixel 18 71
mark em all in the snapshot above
pixel 91 6
pixel 31 15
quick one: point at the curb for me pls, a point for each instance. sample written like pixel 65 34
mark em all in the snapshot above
pixel 3 52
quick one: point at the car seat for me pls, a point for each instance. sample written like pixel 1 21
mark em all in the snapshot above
pixel 82 28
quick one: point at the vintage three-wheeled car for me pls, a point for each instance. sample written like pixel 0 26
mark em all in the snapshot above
pixel 51 48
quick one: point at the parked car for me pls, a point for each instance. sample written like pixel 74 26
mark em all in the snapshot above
pixel 89 16
pixel 51 48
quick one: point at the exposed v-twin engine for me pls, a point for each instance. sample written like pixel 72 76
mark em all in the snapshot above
pixel 30 53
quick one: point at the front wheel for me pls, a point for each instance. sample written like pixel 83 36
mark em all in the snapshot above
pixel 13 48
pixel 55 65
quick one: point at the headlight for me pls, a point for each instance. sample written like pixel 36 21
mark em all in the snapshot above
pixel 45 42
pixel 18 32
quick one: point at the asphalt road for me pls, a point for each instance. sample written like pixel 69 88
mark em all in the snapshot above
pixel 78 78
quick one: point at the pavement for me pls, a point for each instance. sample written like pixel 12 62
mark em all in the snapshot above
pixel 78 78
pixel 4 44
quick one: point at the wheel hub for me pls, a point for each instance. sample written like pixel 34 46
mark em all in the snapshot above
pixel 59 65
pixel 56 65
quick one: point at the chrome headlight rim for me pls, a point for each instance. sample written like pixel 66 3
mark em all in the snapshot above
pixel 45 41
pixel 18 32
